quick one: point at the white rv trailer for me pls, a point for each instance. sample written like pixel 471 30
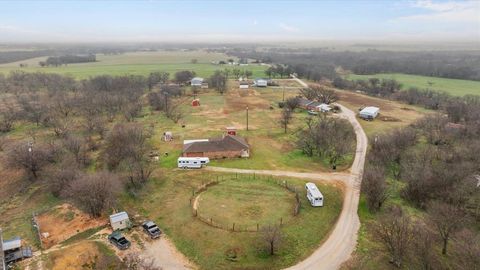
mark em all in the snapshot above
pixel 192 162
pixel 314 195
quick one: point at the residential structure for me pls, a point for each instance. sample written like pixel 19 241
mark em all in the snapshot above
pixel 228 146
pixel 259 82
pixel 120 221
pixel 323 108
pixel 243 85
pixel 369 113
pixel 197 81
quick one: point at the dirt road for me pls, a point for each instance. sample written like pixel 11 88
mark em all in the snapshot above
pixel 342 241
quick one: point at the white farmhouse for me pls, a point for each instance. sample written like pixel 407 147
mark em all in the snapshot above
pixel 120 221
pixel 369 113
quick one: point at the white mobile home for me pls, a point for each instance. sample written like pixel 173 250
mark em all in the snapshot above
pixel 369 113
pixel 192 162
pixel 261 82
pixel 314 195
pixel 120 221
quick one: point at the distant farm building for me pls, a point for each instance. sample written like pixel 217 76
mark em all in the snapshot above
pixel 120 221
pixel 260 82
pixel 167 136
pixel 243 85
pixel 228 146
pixel 196 102
pixel 204 85
pixel 197 81
pixel 231 131
pixel 369 113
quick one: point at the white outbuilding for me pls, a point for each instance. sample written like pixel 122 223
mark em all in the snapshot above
pixel 120 221
pixel 323 108
pixel 369 113
pixel 197 81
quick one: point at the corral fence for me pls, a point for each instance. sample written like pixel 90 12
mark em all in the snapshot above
pixel 36 229
pixel 237 227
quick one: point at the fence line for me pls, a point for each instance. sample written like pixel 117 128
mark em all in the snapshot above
pixel 235 227
pixel 36 227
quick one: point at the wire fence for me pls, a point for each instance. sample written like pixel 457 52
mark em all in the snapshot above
pixel 235 226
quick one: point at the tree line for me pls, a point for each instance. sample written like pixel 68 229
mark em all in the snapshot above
pixel 80 125
pixel 67 59
pixel 318 63
pixel 434 166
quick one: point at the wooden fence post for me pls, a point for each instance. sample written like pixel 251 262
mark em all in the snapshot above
pixel 234 226
pixel 281 221
pixel 257 227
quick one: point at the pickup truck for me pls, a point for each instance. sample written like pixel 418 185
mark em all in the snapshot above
pixel 118 240
pixel 151 229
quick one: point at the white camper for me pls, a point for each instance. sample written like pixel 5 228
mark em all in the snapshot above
pixel 192 162
pixel 314 195
pixel 120 221
pixel 369 113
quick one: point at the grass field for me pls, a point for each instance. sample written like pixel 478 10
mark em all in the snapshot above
pixel 166 201
pixel 452 86
pixel 246 202
pixel 138 63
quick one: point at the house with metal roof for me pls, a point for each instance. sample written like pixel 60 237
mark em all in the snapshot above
pixel 197 81
pixel 228 146
pixel 259 82
pixel 369 113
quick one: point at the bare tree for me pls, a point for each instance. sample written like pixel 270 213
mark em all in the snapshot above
pixel 423 246
pixel 271 236
pixel 467 249
pixel 447 219
pixel 374 187
pixel 219 81
pixel 7 118
pixel 320 93
pixel 393 230
pixel 95 192
pixel 32 158
pixel 292 103
pixel 61 176
pixel 285 118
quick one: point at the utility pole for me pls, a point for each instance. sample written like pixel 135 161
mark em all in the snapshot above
pixel 247 118
pixel 283 99
pixel 2 255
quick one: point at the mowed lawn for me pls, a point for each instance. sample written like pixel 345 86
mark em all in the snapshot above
pixel 138 63
pixel 167 202
pixel 453 86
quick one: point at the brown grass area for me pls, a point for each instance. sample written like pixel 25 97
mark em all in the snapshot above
pixel 235 102
pixel 65 221
pixel 360 100
pixel 75 257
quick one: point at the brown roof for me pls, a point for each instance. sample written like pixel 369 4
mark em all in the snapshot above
pixel 226 143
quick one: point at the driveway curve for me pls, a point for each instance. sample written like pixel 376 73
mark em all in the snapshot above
pixel 341 242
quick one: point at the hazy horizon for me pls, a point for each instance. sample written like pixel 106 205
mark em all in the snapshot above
pixel 245 22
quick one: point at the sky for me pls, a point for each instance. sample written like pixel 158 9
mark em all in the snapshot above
pixel 239 21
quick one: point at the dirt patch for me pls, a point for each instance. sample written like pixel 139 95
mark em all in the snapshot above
pixel 360 101
pixel 63 222
pixel 386 118
pixel 235 103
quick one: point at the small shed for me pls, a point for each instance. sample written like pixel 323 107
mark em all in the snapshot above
pixel 12 244
pixel 261 82
pixel 231 131
pixel 197 81
pixel 167 136
pixel 196 102
pixel 120 221
pixel 243 85
pixel 369 113
pixel 204 85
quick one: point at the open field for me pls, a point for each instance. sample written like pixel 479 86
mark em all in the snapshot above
pixel 169 197
pixel 138 63
pixel 247 202
pixel 452 86
pixel 392 114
